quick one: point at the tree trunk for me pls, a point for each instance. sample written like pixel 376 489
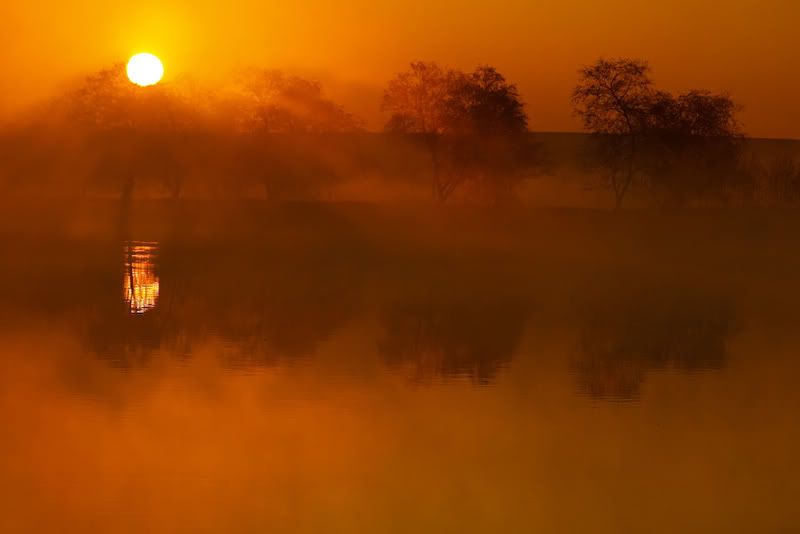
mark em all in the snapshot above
pixel 436 184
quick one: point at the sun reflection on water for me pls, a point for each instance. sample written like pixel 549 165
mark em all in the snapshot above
pixel 140 285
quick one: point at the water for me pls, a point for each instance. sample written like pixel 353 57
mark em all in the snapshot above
pixel 344 386
pixel 140 282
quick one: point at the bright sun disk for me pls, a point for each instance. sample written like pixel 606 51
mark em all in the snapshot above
pixel 145 69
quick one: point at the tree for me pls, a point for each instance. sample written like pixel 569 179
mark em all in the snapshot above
pixel 683 145
pixel 492 105
pixel 463 118
pixel 103 101
pixel 501 152
pixel 693 145
pixel 613 98
pixel 107 100
pixel 420 100
pixel 130 129
pixel 279 103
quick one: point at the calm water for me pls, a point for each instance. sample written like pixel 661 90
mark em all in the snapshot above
pixel 215 387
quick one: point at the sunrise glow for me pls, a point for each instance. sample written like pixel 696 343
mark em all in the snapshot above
pixel 145 69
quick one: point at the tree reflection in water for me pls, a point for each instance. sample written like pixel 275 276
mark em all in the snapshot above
pixel 265 309
pixel 455 337
pixel 273 302
pixel 622 339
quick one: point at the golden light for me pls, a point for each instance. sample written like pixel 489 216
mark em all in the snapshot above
pixel 140 285
pixel 145 69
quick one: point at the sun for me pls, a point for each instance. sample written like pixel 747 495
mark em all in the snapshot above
pixel 145 69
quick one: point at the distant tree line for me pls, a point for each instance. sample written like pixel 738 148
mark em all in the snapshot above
pixel 277 135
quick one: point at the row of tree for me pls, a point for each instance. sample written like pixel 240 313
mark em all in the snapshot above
pixel 472 126
pixel 257 100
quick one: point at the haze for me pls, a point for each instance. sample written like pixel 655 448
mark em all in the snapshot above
pixel 747 47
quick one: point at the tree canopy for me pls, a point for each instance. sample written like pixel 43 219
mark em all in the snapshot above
pixel 279 103
pixel 431 99
pixel 474 123
pixel 683 142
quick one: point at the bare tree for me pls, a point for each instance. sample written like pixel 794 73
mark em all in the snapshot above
pixel 612 99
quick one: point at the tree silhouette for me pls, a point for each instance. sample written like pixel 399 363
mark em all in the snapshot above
pixel 106 100
pixel 103 100
pixel 694 141
pixel 421 102
pixel 133 133
pixel 491 105
pixel 421 99
pixel 464 119
pixel 685 144
pixel 612 99
pixel 280 103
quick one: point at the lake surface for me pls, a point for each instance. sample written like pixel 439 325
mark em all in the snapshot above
pixel 557 381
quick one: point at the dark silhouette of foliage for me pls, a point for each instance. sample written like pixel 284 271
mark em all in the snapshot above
pixel 274 135
pixel 466 120
pixel 694 114
pixel 133 133
pixel 612 99
pixel 421 100
pixel 150 139
pixel 280 103
pixel 491 105
pixel 684 145
pixel 106 101
pixel 694 142
pixel 613 96
pixel 103 101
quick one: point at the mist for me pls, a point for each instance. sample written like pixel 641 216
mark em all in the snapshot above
pixel 540 45
pixel 399 267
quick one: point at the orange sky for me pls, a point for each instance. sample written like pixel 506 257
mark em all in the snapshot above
pixel 747 47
